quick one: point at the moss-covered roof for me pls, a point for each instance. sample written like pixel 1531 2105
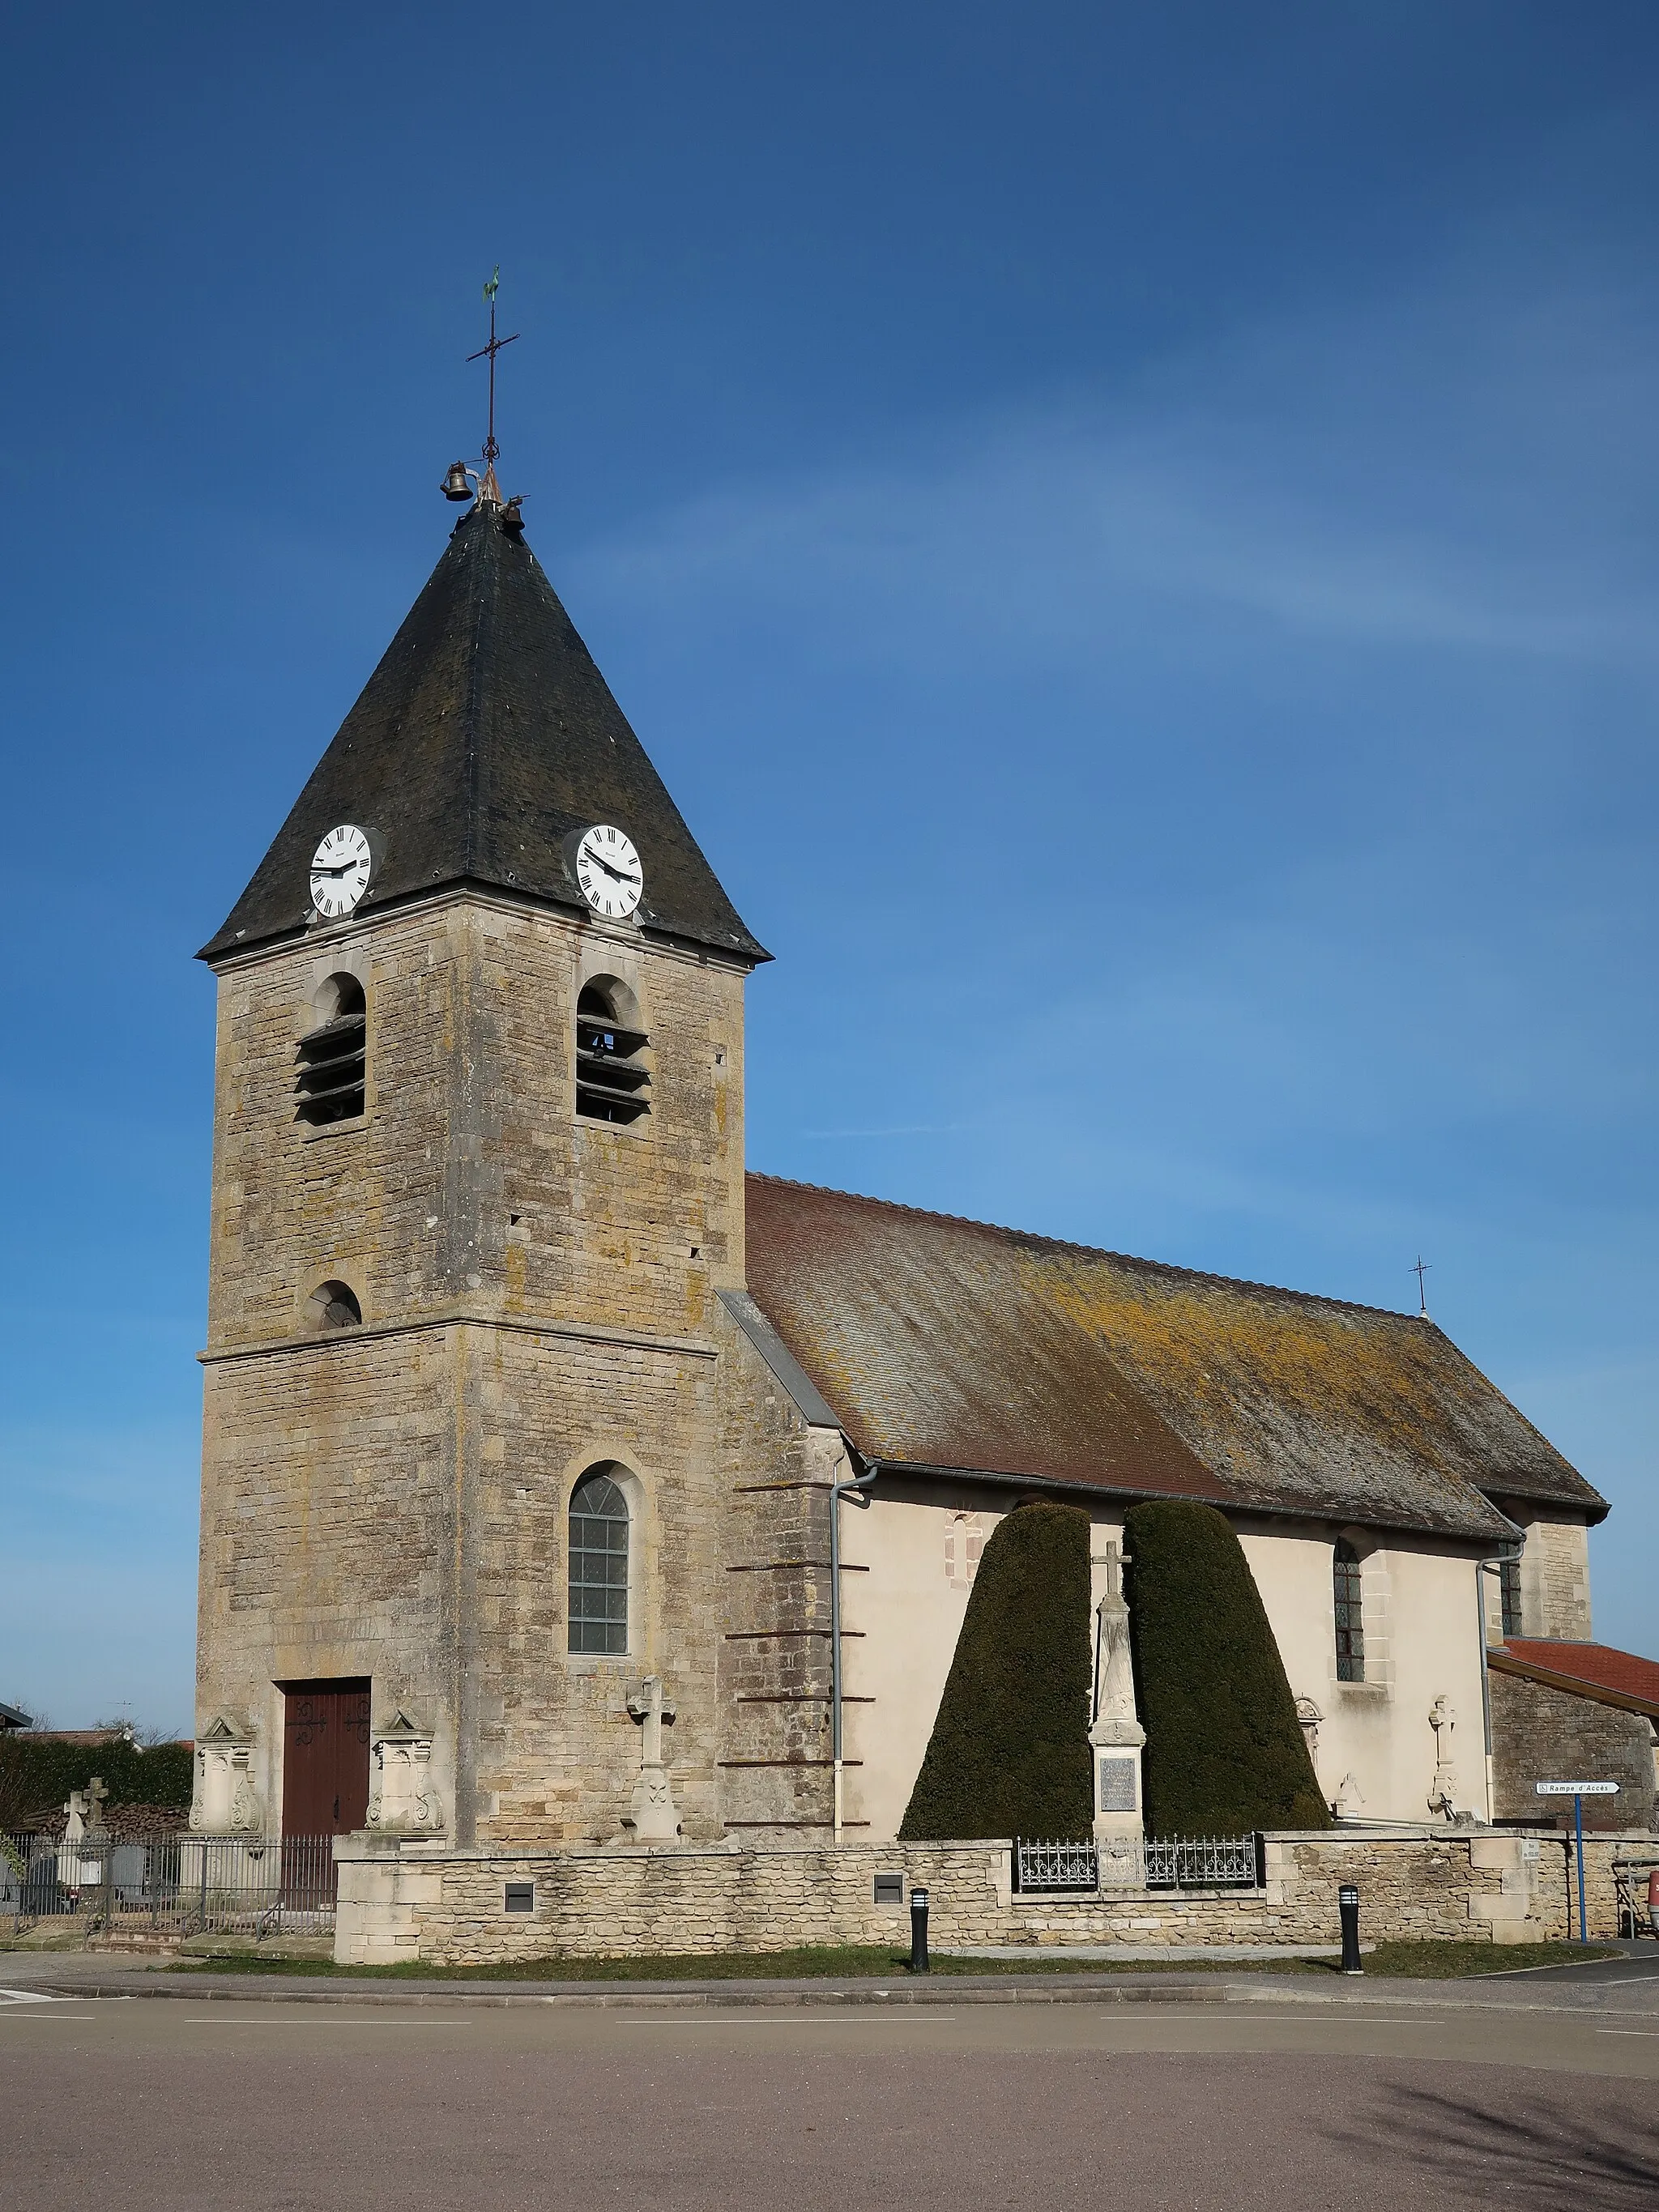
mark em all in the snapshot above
pixel 949 1344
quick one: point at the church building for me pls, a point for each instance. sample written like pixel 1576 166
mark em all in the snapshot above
pixel 564 1481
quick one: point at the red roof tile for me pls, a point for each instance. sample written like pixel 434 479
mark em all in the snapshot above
pixel 1587 1668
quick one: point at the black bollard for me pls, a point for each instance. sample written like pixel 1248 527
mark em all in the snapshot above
pixel 1347 1899
pixel 918 1931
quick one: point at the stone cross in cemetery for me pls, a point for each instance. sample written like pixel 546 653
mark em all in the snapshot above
pixel 655 1819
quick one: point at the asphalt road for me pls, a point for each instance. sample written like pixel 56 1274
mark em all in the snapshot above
pixel 184 2104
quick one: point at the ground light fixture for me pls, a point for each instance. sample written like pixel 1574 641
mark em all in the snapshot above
pixel 1347 1903
pixel 918 1930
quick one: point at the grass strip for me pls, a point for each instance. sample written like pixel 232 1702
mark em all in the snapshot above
pixel 1411 1962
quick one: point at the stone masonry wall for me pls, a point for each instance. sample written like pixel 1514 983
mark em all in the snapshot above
pixel 538 1296
pixel 1451 1884
pixel 1540 1733
pixel 776 1477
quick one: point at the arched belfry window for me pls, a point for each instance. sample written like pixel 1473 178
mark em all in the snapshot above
pixel 613 1075
pixel 333 1056
pixel 334 1305
pixel 598 1564
pixel 1350 1631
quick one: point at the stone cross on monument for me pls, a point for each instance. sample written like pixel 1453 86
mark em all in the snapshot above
pixel 653 1818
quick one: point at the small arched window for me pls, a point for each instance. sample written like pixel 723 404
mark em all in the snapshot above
pixel 613 1076
pixel 1350 1631
pixel 335 1305
pixel 598 1564
pixel 333 1056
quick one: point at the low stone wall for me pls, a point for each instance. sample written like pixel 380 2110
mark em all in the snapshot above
pixel 420 1900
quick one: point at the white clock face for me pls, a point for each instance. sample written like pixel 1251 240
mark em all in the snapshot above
pixel 608 869
pixel 339 871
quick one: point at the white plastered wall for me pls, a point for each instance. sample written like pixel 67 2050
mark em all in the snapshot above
pixel 1422 1643
pixel 905 1591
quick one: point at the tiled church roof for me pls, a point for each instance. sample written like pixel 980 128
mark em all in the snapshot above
pixel 1597 1671
pixel 485 737
pixel 948 1343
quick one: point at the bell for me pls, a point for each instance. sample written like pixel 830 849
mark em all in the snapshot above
pixel 455 485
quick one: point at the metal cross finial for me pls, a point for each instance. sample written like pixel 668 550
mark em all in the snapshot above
pixel 491 449
pixel 1419 1271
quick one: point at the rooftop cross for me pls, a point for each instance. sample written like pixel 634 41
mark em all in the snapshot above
pixel 491 449
pixel 1419 1271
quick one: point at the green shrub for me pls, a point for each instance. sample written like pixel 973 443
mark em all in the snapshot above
pixel 1224 1752
pixel 37 1774
pixel 1009 1754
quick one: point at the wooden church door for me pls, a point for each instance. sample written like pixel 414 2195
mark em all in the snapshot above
pixel 324 1758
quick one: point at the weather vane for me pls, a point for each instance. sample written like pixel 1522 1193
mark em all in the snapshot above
pixel 1419 1271
pixel 491 449
pixel 455 484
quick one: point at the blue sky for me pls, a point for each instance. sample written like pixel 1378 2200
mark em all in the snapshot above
pixel 1221 441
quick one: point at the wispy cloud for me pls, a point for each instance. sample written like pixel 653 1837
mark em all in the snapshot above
pixel 1456 466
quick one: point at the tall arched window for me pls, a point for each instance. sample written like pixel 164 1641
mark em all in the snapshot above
pixel 613 1076
pixel 334 1056
pixel 1350 1630
pixel 598 1564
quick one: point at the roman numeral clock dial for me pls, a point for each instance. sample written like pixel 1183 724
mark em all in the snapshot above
pixel 340 869
pixel 609 870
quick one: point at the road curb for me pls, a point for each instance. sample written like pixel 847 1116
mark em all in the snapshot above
pixel 1050 1989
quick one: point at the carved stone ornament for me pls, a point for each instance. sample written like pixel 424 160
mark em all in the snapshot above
pixel 1443 1792
pixel 403 1798
pixel 652 1817
pixel 1114 1729
pixel 225 1800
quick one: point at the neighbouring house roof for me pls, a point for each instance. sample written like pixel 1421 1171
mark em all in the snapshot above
pixel 80 1736
pixel 483 742
pixel 946 1343
pixel 1596 1671
pixel 13 1716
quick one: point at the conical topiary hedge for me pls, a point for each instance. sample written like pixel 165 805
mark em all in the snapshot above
pixel 1224 1752
pixel 1009 1754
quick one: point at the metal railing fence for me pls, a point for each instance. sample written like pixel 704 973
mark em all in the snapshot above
pixel 179 1885
pixel 1087 1866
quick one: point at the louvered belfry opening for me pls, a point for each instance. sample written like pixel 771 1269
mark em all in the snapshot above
pixel 613 1078
pixel 332 1058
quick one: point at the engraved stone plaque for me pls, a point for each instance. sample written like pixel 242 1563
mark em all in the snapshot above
pixel 1117 1785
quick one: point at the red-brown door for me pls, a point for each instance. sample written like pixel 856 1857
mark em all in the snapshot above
pixel 324 1758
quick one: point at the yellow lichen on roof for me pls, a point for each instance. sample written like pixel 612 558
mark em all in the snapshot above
pixel 950 1343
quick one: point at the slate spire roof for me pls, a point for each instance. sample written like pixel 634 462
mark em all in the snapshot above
pixel 483 744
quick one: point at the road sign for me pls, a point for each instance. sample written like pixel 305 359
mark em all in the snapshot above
pixel 1578 1791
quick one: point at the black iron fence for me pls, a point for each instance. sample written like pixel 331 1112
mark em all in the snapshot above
pixel 1089 1866
pixel 181 1884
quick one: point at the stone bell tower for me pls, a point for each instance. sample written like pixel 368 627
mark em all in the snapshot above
pixel 477 1183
